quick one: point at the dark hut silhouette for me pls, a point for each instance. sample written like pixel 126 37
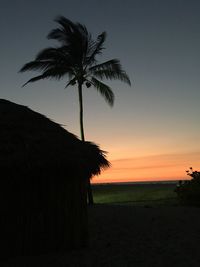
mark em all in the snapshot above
pixel 44 170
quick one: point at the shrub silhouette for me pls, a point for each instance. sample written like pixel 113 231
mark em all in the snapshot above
pixel 188 192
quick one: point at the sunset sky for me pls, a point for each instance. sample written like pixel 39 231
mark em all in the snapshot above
pixel 153 130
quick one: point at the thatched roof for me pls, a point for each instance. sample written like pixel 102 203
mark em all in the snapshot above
pixel 30 140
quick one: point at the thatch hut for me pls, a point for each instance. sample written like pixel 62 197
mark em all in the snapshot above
pixel 44 171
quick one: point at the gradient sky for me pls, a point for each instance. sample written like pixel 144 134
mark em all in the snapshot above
pixel 152 132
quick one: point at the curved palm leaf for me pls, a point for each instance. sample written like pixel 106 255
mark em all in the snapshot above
pixel 112 75
pixel 36 65
pixel 64 32
pixel 110 70
pixel 55 72
pixel 71 82
pixel 95 49
pixel 72 35
pixel 51 53
pixel 104 90
pixel 37 78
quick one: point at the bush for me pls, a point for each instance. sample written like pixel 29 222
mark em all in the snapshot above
pixel 188 192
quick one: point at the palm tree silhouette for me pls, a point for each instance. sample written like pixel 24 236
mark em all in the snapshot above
pixel 75 59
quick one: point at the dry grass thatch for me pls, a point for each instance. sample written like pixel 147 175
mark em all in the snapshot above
pixel 29 139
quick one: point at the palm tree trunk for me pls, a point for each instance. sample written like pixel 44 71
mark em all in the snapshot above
pixel 81 111
pixel 89 188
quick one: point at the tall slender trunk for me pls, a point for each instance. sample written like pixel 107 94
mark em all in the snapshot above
pixel 89 188
pixel 81 110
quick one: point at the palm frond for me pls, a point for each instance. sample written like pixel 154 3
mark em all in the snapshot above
pixel 55 72
pixel 104 90
pixel 113 64
pixel 60 56
pixel 34 79
pixel 36 65
pixel 95 48
pixel 110 70
pixel 71 82
pixel 66 29
pixel 112 75
pixel 51 58
pixel 47 53
pixel 74 36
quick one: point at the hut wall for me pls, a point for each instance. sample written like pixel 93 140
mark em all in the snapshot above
pixel 43 213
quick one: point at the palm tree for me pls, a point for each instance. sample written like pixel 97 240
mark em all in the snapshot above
pixel 76 59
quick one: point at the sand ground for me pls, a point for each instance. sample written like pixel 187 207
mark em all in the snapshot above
pixel 122 236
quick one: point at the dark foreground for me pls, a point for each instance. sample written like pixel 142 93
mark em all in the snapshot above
pixel 132 236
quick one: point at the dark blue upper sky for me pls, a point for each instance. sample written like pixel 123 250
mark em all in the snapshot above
pixel 158 44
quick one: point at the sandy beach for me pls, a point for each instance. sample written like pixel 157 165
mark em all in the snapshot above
pixel 132 236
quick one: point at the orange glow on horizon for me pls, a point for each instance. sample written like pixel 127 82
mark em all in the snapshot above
pixel 150 168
